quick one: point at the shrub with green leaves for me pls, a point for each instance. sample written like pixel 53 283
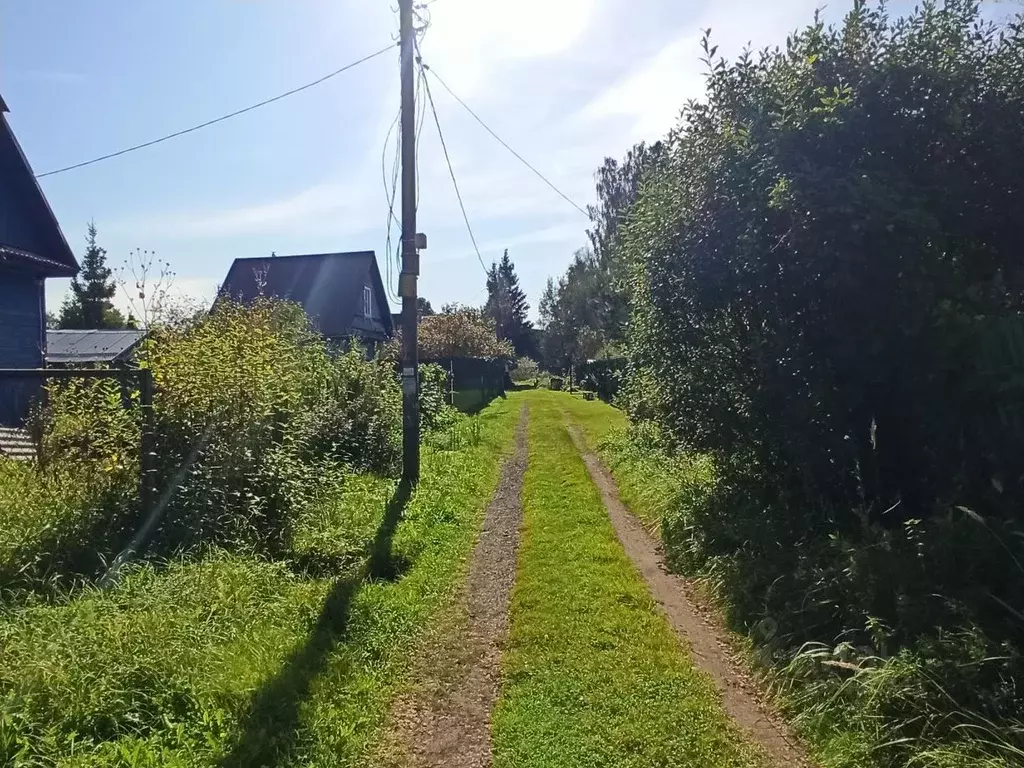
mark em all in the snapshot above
pixel 828 303
pixel 435 410
pixel 254 422
pixel 822 246
pixel 526 371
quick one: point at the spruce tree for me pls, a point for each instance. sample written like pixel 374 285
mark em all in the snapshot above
pixel 89 305
pixel 507 306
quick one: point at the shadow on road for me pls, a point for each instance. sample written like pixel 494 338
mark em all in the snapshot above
pixel 271 729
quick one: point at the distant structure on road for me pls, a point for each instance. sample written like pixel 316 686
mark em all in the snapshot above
pixel 342 293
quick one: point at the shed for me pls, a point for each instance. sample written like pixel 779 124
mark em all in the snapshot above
pixel 342 293
pixel 32 248
pixel 75 348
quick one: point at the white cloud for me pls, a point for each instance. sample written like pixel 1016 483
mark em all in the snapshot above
pixel 338 206
pixel 467 39
pixel 651 96
pixel 565 82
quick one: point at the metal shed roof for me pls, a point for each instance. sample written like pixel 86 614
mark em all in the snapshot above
pixel 66 347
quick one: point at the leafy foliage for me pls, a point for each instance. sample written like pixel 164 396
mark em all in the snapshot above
pixel 826 242
pixel 826 300
pixel 585 314
pixel 423 308
pixel 461 332
pixel 255 422
pixel 570 313
pixel 526 370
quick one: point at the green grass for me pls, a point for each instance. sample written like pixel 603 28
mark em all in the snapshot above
pixel 593 674
pixel 234 660
pixel 650 483
pixel 892 712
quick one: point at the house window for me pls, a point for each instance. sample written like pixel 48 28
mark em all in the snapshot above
pixel 367 301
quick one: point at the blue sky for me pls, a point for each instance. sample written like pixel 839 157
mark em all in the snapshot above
pixel 565 82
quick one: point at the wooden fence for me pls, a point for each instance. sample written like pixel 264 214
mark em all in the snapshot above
pixel 141 378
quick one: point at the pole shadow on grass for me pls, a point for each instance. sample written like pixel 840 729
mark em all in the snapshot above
pixel 272 727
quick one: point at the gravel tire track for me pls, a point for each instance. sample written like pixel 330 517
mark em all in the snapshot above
pixel 708 644
pixel 445 720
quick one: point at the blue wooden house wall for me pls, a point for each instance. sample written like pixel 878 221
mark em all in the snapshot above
pixel 22 340
pixel 23 319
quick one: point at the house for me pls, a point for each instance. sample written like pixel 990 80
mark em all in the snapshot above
pixel 32 248
pixel 342 293
pixel 82 348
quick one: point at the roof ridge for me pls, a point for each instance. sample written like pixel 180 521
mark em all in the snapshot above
pixel 306 255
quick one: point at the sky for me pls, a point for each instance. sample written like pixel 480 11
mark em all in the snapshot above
pixel 564 82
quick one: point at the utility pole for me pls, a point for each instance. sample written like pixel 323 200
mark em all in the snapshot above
pixel 410 255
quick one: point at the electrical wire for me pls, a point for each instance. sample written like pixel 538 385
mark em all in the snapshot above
pixel 389 196
pixel 501 141
pixel 220 119
pixel 451 171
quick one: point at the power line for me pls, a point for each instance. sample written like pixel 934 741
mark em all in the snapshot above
pixel 451 170
pixel 389 196
pixel 220 119
pixel 501 141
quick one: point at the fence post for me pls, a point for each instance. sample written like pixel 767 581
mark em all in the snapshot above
pixel 451 382
pixel 146 441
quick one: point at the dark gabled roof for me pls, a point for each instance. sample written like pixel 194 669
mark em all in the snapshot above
pixel 328 286
pixel 80 347
pixel 45 246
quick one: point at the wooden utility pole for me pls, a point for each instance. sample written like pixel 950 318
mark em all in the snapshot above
pixel 410 255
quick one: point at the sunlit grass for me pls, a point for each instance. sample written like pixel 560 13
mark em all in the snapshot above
pixel 593 675
pixel 228 659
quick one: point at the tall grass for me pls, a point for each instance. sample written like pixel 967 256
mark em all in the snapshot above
pixel 255 423
pixel 886 647
pixel 270 619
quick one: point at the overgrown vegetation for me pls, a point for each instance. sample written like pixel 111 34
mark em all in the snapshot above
pixel 593 674
pixel 825 372
pixel 266 623
pixel 458 331
pixel 254 421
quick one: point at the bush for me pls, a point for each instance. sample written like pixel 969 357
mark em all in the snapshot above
pixel 602 376
pixel 526 371
pixel 808 289
pixel 436 413
pixel 253 418
pixel 828 303
pixel 556 382
pixel 251 394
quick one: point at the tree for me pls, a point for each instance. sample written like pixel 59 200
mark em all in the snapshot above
pixel 89 305
pixel 459 332
pixel 586 315
pixel 618 186
pixel 824 256
pixel 571 314
pixel 423 308
pixel 507 307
